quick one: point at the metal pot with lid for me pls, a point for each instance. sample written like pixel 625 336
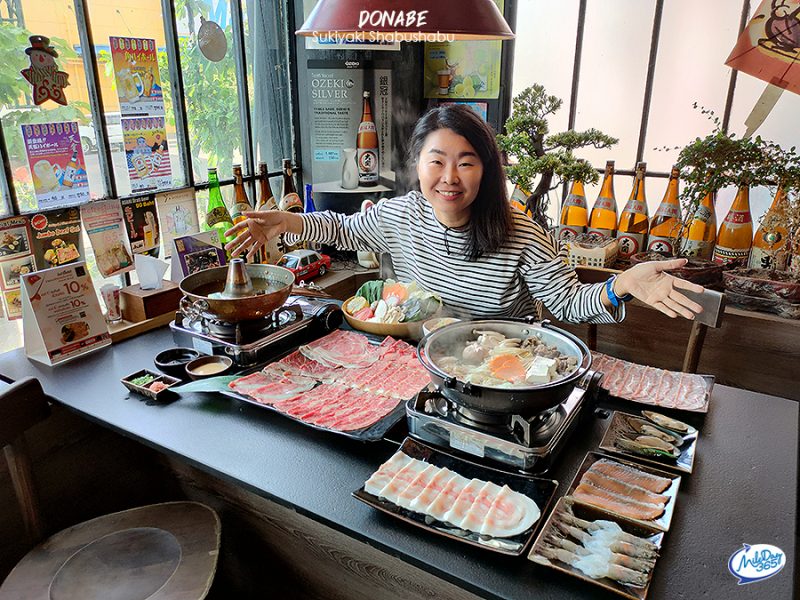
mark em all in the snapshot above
pixel 524 400
pixel 238 292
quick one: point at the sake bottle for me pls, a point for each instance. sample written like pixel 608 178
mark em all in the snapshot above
pixel 574 213
pixel 290 200
pixel 702 232
pixel 634 220
pixel 367 146
pixel 270 252
pixel 769 245
pixel 666 223
pixel 241 203
pixel 735 236
pixel 603 220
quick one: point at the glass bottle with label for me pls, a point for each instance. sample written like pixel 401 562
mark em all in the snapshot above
pixel 574 213
pixel 702 234
pixel 634 220
pixel 367 147
pixel 217 215
pixel 290 200
pixel 666 223
pixel 603 220
pixel 769 245
pixel 735 236
pixel 241 203
pixel 270 252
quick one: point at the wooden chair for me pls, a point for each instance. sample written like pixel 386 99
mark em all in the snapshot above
pixel 159 552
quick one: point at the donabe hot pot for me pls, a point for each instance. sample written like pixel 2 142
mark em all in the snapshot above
pixel 518 400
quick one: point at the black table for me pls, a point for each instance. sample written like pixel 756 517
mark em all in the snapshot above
pixel 743 490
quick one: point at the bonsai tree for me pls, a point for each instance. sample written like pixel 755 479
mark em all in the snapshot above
pixel 722 159
pixel 537 153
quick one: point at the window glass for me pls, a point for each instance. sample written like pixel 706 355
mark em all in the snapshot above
pixel 212 104
pixel 267 55
pixel 687 73
pixel 544 51
pixel 616 44
pixel 17 105
pixel 139 19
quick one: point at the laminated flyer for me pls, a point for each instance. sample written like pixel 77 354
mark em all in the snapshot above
pixel 56 162
pixel 136 71
pixel 146 153
pixel 197 252
pixel 56 237
pixel 177 216
pixel 16 260
pixel 104 226
pixel 61 314
pixel 141 224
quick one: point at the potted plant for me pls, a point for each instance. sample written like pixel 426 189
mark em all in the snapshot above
pixel 538 154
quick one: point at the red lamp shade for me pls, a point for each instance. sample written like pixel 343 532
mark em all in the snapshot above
pixel 457 19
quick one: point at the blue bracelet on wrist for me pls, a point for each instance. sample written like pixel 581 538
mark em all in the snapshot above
pixel 615 300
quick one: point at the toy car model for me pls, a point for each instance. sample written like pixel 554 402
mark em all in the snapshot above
pixel 305 264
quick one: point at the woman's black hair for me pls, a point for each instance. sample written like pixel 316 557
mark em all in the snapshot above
pixel 490 216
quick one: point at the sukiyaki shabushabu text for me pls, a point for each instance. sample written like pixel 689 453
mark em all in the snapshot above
pixel 495 360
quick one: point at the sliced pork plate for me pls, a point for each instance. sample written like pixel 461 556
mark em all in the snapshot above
pixel 649 385
pixel 475 505
pixel 340 382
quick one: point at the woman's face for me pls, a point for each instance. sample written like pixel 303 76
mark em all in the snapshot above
pixel 449 172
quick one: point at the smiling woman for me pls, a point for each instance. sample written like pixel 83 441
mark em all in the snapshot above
pixel 459 238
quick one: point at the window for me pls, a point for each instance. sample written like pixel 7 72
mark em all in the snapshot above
pixel 202 102
pixel 693 40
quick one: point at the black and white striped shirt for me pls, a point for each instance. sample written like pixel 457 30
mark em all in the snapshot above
pixel 506 283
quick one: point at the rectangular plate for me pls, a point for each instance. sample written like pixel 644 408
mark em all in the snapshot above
pixel 617 427
pixel 709 379
pixel 593 513
pixel 539 490
pixel 145 391
pixel 662 523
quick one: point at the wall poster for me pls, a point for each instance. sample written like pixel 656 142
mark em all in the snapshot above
pixel 337 103
pixel 136 71
pixel 463 70
pixel 177 216
pixel 55 158
pixel 146 153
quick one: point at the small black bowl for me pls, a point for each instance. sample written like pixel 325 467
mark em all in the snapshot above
pixel 173 361
pixel 214 366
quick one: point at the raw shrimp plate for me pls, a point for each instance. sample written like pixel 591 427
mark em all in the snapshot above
pixel 572 526
pixel 541 491
pixel 619 428
pixel 642 494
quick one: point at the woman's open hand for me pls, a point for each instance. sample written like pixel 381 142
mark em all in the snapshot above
pixel 649 283
pixel 255 231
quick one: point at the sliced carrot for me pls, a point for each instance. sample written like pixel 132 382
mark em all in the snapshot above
pixel 395 290
pixel 507 367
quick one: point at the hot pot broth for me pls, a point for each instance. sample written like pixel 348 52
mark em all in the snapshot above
pixel 489 358
pixel 261 286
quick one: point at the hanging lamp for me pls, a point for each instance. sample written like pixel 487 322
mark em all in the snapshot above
pixel 407 20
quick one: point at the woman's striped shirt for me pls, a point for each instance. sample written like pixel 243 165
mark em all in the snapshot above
pixel 506 283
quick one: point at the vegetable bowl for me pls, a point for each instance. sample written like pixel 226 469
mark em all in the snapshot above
pixel 391 308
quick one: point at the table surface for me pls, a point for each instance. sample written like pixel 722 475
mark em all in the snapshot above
pixel 743 489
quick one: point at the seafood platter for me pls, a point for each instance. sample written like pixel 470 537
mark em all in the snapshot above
pixel 506 391
pixel 652 438
pixel 459 499
pixel 599 547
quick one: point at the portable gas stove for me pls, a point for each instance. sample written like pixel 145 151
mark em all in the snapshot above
pixel 253 342
pixel 529 444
